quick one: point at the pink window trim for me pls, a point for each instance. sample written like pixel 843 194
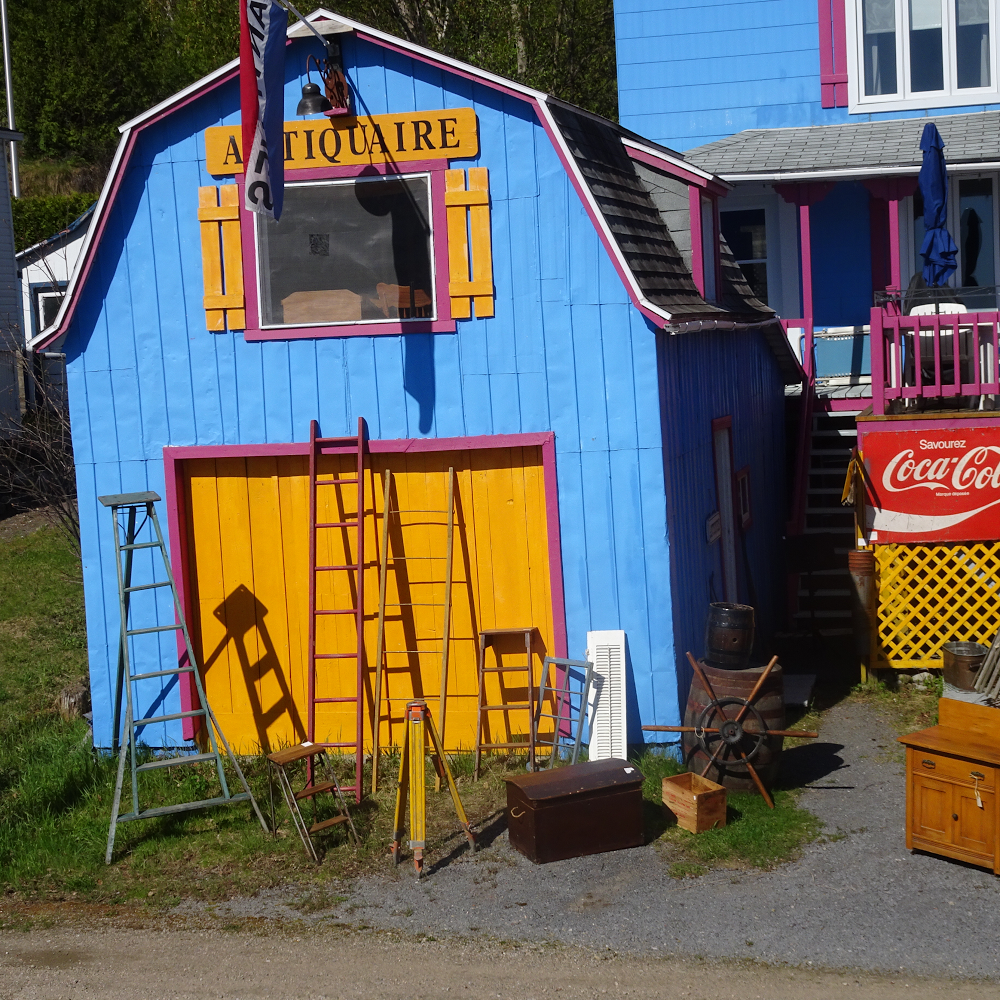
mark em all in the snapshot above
pixel 833 53
pixel 173 469
pixel 444 322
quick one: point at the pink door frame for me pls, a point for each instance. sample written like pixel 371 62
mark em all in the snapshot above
pixel 173 468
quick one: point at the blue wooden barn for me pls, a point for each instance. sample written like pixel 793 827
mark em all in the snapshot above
pixel 515 296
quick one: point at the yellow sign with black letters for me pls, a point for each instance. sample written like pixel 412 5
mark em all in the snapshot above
pixel 451 134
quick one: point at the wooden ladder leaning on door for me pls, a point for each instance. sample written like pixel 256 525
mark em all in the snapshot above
pixel 399 560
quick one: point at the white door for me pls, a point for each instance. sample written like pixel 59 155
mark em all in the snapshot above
pixel 724 492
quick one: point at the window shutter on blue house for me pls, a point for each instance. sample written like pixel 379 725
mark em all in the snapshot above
pixel 833 53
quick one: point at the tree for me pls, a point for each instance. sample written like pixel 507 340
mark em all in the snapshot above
pixel 82 67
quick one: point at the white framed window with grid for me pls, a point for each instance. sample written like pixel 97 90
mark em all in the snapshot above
pixel 921 54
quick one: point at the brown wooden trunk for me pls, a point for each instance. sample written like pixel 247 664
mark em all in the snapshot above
pixel 770 702
pixel 572 811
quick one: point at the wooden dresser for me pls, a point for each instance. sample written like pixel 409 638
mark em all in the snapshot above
pixel 952 771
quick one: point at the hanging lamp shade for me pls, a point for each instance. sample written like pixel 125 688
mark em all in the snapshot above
pixel 313 102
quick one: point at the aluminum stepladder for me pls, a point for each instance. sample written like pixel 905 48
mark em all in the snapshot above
pixel 413 784
pixel 487 637
pixel 561 693
pixel 279 761
pixel 384 560
pixel 133 502
pixel 310 748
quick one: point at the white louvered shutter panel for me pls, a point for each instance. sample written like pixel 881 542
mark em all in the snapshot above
pixel 608 724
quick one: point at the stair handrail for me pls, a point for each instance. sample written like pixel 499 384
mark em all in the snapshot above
pixel 797 520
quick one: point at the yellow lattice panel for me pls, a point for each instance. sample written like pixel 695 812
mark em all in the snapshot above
pixel 932 594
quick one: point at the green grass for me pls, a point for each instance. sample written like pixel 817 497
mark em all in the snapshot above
pixel 754 835
pixel 904 706
pixel 56 792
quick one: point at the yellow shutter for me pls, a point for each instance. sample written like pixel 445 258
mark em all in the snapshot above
pixel 469 245
pixel 222 257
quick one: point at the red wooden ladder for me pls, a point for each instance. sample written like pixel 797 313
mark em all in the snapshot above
pixel 353 525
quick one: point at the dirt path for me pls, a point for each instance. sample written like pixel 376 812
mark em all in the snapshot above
pixel 122 964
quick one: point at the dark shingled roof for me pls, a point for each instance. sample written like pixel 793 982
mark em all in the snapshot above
pixel 647 246
pixel 634 220
pixel 970 138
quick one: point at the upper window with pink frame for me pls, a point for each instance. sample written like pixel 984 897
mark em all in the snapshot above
pixel 346 251
pixel 357 251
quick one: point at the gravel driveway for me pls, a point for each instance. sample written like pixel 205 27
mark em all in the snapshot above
pixel 859 899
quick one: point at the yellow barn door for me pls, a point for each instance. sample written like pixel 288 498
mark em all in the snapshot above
pixel 247 567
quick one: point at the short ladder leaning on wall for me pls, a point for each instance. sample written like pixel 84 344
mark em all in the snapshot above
pixel 133 502
pixel 399 561
pixel 488 637
pixel 350 526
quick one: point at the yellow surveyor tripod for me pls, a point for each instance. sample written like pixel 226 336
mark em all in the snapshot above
pixel 413 779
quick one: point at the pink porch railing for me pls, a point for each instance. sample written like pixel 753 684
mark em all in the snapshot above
pixel 914 359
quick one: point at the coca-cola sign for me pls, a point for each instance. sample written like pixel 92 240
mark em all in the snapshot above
pixel 933 485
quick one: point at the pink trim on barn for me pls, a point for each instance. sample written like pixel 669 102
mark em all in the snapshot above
pixel 668 166
pixel 598 222
pixel 175 498
pixel 439 234
pixel 88 263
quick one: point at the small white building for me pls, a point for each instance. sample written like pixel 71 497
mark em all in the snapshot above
pixel 44 271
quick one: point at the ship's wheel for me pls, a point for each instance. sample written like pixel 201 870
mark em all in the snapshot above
pixel 731 731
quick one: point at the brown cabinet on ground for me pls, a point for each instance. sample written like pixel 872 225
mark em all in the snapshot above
pixel 951 785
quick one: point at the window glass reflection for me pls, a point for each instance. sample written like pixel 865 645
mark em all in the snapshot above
pixel 926 48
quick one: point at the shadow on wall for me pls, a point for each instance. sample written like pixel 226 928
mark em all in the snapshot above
pixel 418 375
pixel 240 612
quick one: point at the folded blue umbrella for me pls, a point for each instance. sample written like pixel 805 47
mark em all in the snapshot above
pixel 938 248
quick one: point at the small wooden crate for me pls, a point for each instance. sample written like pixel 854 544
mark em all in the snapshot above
pixel 698 804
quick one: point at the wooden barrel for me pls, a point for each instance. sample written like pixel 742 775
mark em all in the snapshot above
pixel 729 636
pixel 770 703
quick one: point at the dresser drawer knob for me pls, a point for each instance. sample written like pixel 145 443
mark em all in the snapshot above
pixel 954 815
pixel 929 763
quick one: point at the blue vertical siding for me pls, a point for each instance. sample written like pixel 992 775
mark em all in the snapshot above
pixel 564 352
pixel 704 378
pixel 691 73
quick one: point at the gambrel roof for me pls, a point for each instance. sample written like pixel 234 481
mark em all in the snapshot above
pixel 598 157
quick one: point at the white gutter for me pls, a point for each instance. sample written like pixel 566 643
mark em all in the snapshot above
pixel 844 172
pixel 662 154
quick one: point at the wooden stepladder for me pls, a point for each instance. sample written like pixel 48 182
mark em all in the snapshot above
pixel 279 762
pixel 488 637
pixel 351 526
pixel 397 562
pixel 413 784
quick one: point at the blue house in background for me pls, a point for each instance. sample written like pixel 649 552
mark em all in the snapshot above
pixel 813 113
pixel 486 275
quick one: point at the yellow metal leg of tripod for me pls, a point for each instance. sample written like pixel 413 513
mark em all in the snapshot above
pixel 413 783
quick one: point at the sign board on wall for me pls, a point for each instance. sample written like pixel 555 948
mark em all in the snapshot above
pixel 940 484
pixel 450 134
